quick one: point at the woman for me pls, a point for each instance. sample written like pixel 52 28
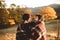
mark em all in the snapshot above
pixel 39 19
pixel 23 31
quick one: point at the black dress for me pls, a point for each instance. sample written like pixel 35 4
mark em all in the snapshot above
pixel 25 34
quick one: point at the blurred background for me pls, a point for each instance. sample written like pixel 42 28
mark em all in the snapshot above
pixel 11 12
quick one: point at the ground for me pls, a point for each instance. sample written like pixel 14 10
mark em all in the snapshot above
pixel 10 33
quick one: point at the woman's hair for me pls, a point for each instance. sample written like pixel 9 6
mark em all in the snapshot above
pixel 39 16
pixel 25 17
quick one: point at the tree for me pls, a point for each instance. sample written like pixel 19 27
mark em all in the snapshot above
pixel 48 13
pixel 29 11
pixel 2 4
pixel 4 16
pixel 12 15
pixel 20 12
pixel 23 10
pixel 13 6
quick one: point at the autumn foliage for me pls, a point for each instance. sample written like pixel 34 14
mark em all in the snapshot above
pixel 48 13
pixel 4 16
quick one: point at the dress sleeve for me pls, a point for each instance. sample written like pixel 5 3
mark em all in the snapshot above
pixel 19 27
pixel 43 28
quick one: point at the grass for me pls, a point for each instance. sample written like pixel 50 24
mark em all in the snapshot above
pixel 52 29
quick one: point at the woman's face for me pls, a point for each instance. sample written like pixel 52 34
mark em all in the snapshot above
pixel 36 18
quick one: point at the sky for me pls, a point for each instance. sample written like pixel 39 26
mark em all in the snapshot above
pixel 32 3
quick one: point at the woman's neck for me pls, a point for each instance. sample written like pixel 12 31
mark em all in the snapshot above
pixel 25 21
